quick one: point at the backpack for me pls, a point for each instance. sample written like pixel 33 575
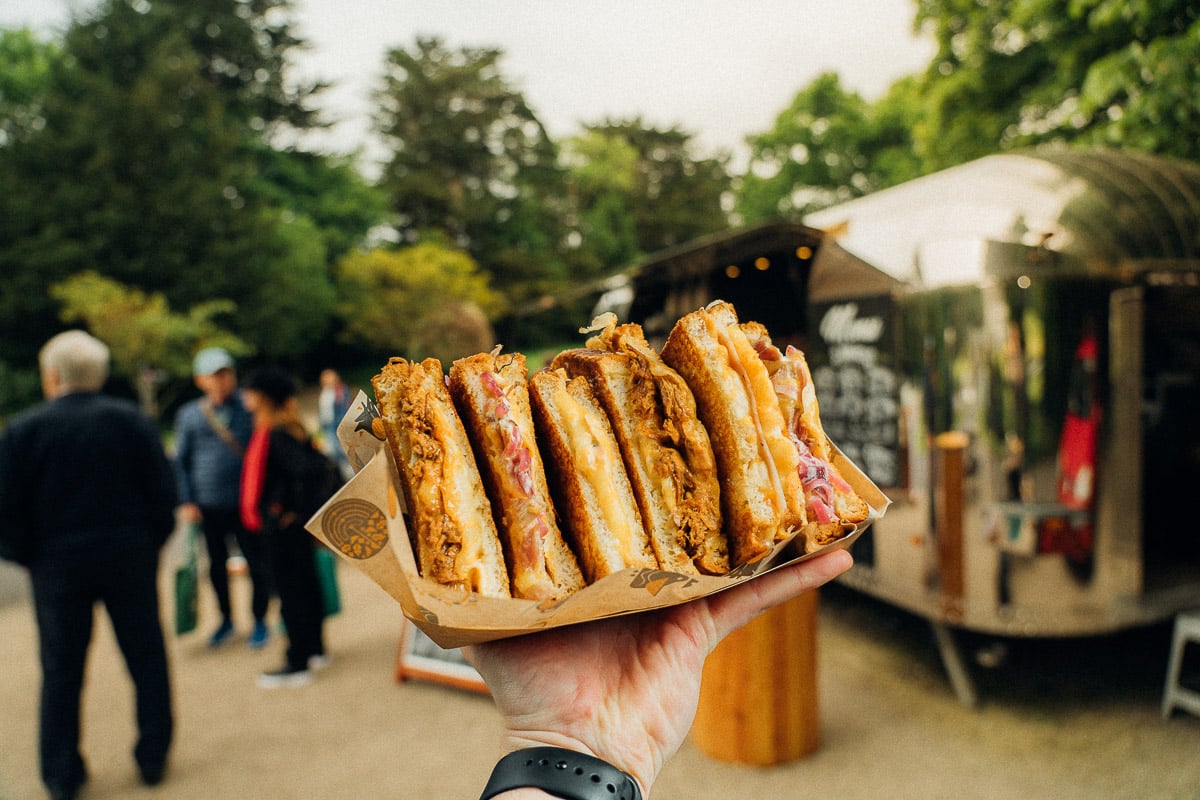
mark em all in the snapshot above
pixel 321 480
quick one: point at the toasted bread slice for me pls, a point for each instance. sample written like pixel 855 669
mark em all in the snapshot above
pixel 587 476
pixel 762 500
pixel 833 507
pixel 491 395
pixel 665 448
pixel 452 530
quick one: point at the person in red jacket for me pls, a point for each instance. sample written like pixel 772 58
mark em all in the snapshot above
pixel 275 503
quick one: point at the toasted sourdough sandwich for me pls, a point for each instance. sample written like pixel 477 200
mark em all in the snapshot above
pixel 664 446
pixel 762 499
pixel 452 530
pixel 833 507
pixel 492 397
pixel 587 476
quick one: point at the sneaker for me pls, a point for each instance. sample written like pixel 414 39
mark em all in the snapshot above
pixel 221 635
pixel 259 636
pixel 319 662
pixel 285 677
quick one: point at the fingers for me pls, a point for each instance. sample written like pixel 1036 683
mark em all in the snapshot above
pixel 735 607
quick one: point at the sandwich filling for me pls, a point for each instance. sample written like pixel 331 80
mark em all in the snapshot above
pixel 528 529
pixel 798 402
pixel 597 460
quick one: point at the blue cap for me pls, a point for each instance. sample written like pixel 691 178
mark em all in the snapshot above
pixel 211 360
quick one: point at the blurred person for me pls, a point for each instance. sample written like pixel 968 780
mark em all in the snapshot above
pixel 211 434
pixel 275 500
pixel 617 695
pixel 332 404
pixel 87 499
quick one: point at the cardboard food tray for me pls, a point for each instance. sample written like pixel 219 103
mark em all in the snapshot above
pixel 364 524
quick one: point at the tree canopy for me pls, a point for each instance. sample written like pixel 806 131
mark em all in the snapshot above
pixel 149 146
pixel 1005 76
pixel 155 145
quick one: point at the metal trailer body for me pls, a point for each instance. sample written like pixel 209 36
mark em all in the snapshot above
pixel 1011 350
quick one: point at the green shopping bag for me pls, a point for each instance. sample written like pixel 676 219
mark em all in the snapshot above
pixel 187 584
pixel 331 598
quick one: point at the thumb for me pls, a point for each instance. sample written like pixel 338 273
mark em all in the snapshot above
pixel 735 607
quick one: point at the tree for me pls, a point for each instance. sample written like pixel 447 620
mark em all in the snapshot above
pixel 23 81
pixel 828 146
pixel 157 159
pixel 601 175
pixel 469 161
pixel 392 299
pixel 1010 75
pixel 676 195
pixel 148 342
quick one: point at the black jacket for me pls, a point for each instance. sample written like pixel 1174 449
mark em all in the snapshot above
pixel 80 472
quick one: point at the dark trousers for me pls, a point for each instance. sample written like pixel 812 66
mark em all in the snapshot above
pixel 219 525
pixel 65 591
pixel 294 567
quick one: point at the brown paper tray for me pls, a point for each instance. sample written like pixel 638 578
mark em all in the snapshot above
pixel 364 524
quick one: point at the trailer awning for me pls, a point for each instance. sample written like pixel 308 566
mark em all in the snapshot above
pixel 1099 211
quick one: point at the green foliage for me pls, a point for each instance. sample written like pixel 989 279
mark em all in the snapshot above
pixel 143 147
pixel 1010 75
pixel 288 299
pixel 601 178
pixel 469 159
pixel 144 336
pixel 342 205
pixel 827 147
pixel 27 63
pixel 392 300
pixel 676 195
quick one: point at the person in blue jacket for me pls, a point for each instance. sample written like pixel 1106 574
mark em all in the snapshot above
pixel 211 434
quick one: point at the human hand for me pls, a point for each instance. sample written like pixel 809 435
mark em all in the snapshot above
pixel 190 512
pixel 626 689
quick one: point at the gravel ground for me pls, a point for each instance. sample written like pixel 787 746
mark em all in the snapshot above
pixel 1058 719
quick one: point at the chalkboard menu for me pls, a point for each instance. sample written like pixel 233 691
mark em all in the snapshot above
pixel 852 355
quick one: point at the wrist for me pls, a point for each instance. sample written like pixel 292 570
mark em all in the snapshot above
pixel 514 741
pixel 549 771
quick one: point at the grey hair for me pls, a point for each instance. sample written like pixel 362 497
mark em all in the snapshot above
pixel 79 359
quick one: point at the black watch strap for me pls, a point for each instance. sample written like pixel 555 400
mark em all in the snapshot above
pixel 562 773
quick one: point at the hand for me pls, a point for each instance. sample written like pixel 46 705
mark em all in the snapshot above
pixel 190 512
pixel 626 689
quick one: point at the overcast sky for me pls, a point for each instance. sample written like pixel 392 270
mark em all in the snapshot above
pixel 719 70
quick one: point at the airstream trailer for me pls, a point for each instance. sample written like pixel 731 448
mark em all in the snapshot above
pixel 1011 350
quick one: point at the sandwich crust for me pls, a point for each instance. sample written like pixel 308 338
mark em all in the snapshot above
pixel 761 497
pixel 587 476
pixel 452 531
pixel 492 397
pixel 664 446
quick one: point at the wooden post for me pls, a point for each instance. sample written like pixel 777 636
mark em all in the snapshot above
pixel 950 470
pixel 758 696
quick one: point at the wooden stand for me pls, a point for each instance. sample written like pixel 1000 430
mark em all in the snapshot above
pixel 418 658
pixel 950 476
pixel 758 697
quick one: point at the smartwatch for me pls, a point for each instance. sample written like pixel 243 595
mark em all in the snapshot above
pixel 562 773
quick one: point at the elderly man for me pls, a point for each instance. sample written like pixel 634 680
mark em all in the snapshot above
pixel 87 499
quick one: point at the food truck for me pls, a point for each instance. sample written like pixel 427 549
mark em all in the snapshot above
pixel 1010 349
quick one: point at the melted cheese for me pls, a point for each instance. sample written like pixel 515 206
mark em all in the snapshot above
pixel 723 336
pixel 598 461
